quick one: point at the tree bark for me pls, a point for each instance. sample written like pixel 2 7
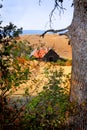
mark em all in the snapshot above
pixel 78 32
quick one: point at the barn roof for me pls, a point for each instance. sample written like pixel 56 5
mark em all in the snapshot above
pixel 39 53
pixel 42 53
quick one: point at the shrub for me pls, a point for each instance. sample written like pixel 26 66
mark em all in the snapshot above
pixel 64 62
pixel 48 109
pixel 11 74
pixel 21 49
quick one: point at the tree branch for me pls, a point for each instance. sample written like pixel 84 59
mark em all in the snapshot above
pixel 55 31
pixel 57 6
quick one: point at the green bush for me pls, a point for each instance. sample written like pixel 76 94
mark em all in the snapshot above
pixel 11 74
pixel 48 109
pixel 64 62
pixel 21 49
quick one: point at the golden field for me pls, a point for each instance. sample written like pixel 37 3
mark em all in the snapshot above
pixel 58 43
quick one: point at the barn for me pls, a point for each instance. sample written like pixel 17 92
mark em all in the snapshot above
pixel 45 55
pixel 51 56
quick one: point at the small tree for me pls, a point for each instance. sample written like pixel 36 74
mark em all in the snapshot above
pixel 48 109
pixel 11 73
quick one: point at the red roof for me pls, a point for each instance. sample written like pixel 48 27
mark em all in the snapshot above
pixel 40 53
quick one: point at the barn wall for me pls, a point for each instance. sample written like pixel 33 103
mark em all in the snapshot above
pixel 51 56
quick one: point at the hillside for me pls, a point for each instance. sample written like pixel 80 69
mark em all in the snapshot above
pixel 59 43
pixel 37 79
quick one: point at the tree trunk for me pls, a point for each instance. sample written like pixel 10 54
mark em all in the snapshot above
pixel 78 32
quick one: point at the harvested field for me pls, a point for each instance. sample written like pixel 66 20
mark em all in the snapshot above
pixel 59 43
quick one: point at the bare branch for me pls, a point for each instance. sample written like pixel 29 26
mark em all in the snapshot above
pixel 55 31
pixel 40 2
pixel 57 6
